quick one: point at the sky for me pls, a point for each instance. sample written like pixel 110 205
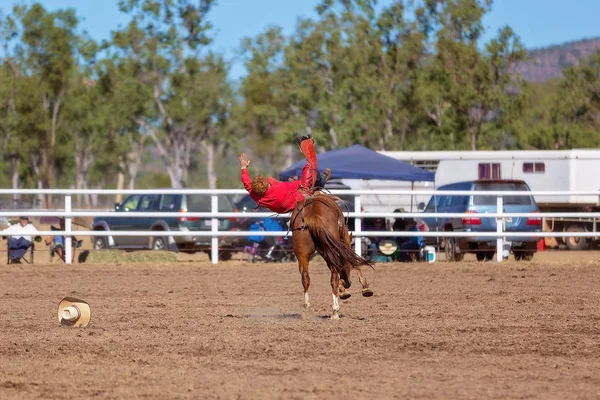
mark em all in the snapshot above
pixel 539 23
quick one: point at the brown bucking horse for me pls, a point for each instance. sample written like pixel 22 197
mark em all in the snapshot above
pixel 318 224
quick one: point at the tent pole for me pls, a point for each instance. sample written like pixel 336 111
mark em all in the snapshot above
pixel 412 194
pixel 437 238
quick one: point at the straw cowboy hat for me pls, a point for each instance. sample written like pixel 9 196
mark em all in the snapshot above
pixel 73 312
pixel 388 247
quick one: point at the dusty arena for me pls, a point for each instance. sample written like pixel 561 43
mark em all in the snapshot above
pixel 238 331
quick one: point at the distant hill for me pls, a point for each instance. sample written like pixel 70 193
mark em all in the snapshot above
pixel 548 62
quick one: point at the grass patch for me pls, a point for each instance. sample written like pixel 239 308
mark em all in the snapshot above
pixel 122 256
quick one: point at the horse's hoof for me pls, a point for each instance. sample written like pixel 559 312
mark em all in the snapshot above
pixel 345 295
pixel 306 305
pixel 335 316
pixel 367 292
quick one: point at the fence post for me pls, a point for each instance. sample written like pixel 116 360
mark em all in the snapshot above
pixel 68 242
pixel 499 228
pixel 214 245
pixel 357 226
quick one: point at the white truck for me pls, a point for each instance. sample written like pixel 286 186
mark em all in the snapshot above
pixel 542 170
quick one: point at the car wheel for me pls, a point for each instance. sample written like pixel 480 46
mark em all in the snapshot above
pixel 523 255
pixel 225 255
pixel 575 243
pixel 159 243
pixel 100 243
pixel 450 250
pixel 484 255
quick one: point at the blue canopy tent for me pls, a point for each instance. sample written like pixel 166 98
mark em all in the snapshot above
pixel 358 162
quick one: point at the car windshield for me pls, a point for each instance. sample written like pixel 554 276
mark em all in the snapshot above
pixel 505 187
pixel 246 204
pixel 201 203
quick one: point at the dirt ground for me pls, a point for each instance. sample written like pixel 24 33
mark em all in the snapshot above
pixel 238 331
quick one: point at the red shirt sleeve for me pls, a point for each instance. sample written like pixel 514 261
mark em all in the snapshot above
pixel 246 180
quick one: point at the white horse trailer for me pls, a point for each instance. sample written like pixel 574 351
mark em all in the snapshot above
pixel 389 203
pixel 542 170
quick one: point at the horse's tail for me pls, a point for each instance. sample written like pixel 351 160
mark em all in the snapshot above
pixel 333 250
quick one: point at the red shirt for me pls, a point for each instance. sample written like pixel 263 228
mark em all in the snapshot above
pixel 280 197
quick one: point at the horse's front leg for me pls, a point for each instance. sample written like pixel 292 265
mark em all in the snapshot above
pixel 335 285
pixel 303 267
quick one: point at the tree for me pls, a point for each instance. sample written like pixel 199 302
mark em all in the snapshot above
pixel 576 109
pixel 42 50
pixel 264 109
pixel 186 104
pixel 480 86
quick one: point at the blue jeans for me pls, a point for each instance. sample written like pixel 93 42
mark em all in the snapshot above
pixel 18 247
pixel 373 250
pixel 408 251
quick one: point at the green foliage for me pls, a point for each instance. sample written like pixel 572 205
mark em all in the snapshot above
pixel 576 110
pixel 156 99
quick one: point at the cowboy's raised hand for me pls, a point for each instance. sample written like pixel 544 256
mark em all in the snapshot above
pixel 244 162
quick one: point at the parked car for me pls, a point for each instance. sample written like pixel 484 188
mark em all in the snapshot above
pixel 166 203
pixel 455 248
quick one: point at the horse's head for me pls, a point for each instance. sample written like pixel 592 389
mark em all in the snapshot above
pixel 260 185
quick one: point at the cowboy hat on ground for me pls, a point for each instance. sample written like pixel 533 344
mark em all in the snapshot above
pixel 73 312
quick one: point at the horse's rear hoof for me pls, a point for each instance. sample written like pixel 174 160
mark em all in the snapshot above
pixel 367 292
pixel 345 296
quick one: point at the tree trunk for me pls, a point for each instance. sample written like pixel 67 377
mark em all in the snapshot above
pixel 333 137
pixel 175 175
pixel 35 165
pixel 389 128
pixel 210 166
pixel 171 153
pixel 134 158
pixel 289 156
pixel 50 160
pixel 94 197
pixel 84 157
pixel 120 180
pixel 15 163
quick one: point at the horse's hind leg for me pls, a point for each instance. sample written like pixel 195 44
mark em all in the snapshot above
pixel 366 290
pixel 335 284
pixel 344 284
pixel 303 266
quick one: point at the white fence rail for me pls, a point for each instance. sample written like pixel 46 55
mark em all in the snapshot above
pixel 215 234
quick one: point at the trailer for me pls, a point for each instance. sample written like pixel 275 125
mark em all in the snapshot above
pixel 386 202
pixel 542 170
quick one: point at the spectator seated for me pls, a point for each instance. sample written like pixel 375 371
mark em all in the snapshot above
pixel 412 248
pixel 57 243
pixel 374 224
pixel 20 241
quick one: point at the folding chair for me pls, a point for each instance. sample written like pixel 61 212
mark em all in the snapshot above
pixel 57 249
pixel 28 257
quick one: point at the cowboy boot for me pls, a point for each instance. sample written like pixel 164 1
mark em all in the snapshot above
pixel 300 139
pixel 309 176
pixel 307 146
